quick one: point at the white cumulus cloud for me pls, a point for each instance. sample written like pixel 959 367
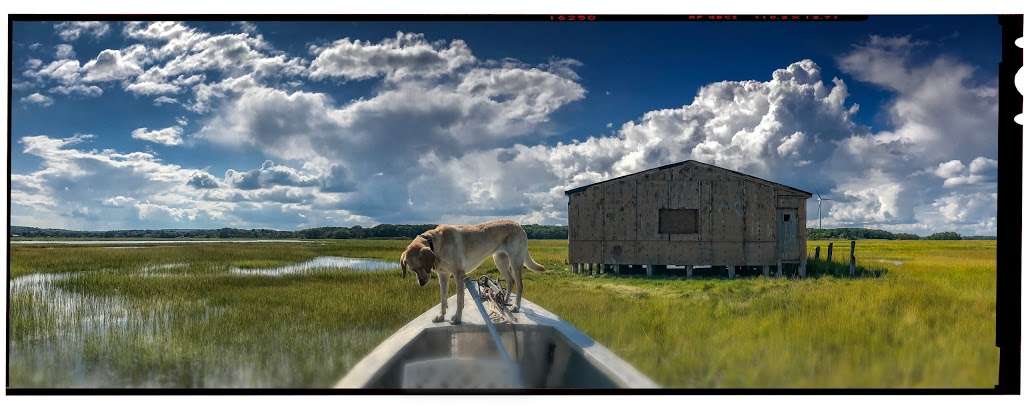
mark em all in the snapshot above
pixel 72 30
pixel 37 99
pixel 166 136
pixel 64 51
pixel 405 55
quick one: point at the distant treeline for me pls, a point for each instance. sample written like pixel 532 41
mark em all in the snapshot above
pixel 355 232
pixel 408 231
pixel 864 233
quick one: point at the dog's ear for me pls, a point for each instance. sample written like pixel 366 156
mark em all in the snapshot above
pixel 403 263
pixel 428 257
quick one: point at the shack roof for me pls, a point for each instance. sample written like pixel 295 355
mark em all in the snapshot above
pixel 689 162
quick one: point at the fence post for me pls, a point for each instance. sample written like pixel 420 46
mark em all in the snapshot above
pixel 828 259
pixel 853 259
pixel 817 257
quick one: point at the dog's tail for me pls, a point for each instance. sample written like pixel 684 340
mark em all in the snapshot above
pixel 533 265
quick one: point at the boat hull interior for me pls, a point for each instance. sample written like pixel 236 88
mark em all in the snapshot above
pixel 544 352
pixel 544 357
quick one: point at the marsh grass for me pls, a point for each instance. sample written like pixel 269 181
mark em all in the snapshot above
pixel 928 321
pixel 122 323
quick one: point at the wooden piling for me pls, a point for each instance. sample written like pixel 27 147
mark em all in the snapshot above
pixel 650 270
pixel 732 271
pixel 802 271
pixel 817 257
pixel 778 270
pixel 828 259
pixel 689 271
pixel 853 259
pixel 765 270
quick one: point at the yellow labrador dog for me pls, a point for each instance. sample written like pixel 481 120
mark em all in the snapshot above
pixel 457 250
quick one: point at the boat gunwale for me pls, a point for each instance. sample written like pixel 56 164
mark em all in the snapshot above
pixel 372 366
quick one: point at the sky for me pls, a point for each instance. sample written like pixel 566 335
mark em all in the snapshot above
pixel 289 125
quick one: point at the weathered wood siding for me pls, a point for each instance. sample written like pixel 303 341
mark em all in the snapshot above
pixel 620 210
pixel 684 193
pixel 616 222
pixel 651 195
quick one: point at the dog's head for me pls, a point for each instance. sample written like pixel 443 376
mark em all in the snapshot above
pixel 420 259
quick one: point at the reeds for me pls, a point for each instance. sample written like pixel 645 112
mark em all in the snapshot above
pixel 113 320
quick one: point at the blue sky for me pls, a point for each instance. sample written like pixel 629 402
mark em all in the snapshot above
pixel 172 124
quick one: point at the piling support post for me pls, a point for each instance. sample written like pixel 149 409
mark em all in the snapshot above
pixel 778 268
pixel 732 272
pixel 853 259
pixel 828 259
pixel 650 270
pixel 689 271
pixel 817 257
pixel 802 271
pixel 766 271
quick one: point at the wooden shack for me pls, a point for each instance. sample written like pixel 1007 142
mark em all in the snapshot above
pixel 687 214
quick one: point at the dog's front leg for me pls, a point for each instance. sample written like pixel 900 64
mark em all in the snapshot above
pixel 442 279
pixel 460 297
pixel 519 294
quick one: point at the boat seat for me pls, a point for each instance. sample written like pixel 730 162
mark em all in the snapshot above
pixel 459 373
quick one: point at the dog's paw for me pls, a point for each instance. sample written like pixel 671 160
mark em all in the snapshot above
pixel 456 320
pixel 438 318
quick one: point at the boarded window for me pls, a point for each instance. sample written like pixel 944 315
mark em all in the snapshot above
pixel 677 221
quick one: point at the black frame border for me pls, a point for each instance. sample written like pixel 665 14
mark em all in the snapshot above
pixel 1008 256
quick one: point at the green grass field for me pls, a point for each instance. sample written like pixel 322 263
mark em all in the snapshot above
pixel 173 316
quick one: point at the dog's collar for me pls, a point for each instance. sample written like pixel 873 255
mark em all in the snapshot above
pixel 430 242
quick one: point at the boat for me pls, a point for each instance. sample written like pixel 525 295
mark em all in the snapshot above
pixel 492 348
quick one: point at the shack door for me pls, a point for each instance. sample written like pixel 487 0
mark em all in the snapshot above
pixel 789 247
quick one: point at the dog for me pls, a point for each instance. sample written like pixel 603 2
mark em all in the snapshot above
pixel 457 250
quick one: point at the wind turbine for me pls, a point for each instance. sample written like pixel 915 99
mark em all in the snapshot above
pixel 819 208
